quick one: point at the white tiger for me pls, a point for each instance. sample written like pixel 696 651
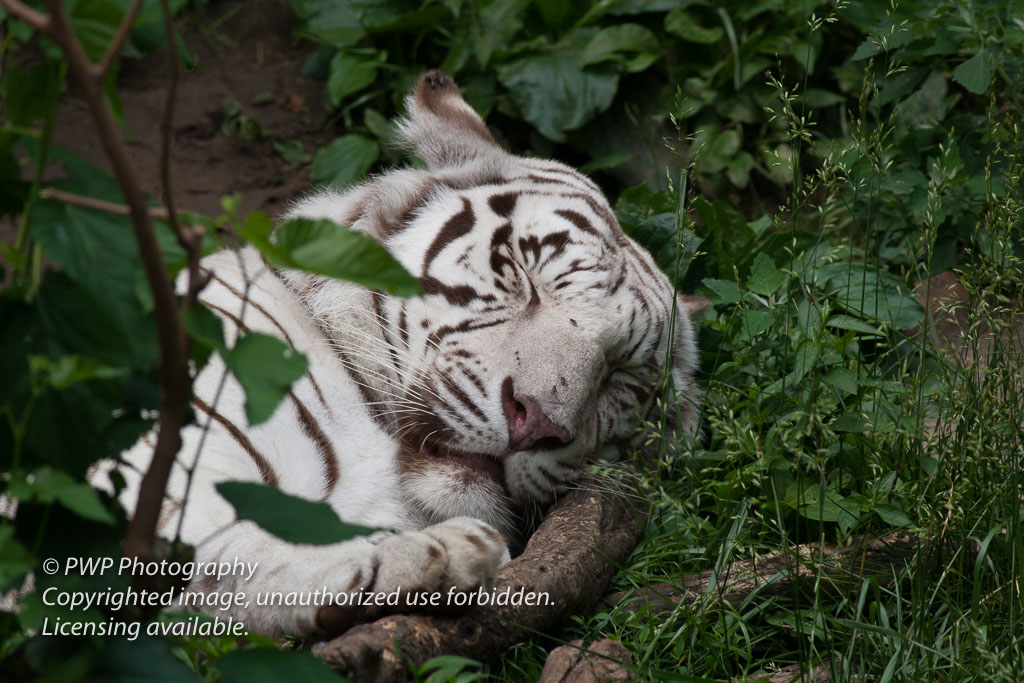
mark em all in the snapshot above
pixel 536 341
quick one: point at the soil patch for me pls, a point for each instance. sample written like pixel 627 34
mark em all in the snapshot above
pixel 245 52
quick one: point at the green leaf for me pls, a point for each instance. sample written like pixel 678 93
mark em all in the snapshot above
pixel 447 668
pixel 342 23
pixel 849 422
pixel 206 331
pixel 765 277
pixel 892 515
pixel 294 519
pixel 99 252
pixel 828 510
pixel 63 371
pixel 554 93
pixel 756 322
pixel 845 322
pixel 46 485
pixel 610 43
pixel 681 23
pixel 15 560
pixel 842 379
pixel 349 74
pixel 345 161
pixel 204 327
pixel 291 151
pixel 266 368
pixel 323 247
pixel 974 73
pixel 869 47
pixel 806 354
pixel 726 291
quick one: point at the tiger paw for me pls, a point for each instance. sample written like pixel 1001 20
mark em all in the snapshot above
pixel 463 554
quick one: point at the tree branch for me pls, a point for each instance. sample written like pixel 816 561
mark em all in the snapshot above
pixel 583 539
pixel 158 213
pixel 175 384
pixel 37 20
pixel 114 49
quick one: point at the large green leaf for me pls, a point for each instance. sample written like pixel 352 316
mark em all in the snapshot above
pixel 288 517
pixel 330 249
pixel 554 92
pixel 99 252
pixel 95 22
pixel 613 42
pixel 765 277
pixel 349 73
pixel 974 73
pixel 344 161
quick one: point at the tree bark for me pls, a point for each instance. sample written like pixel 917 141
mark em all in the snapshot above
pixel 808 569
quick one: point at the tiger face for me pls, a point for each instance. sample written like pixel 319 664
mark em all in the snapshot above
pixel 541 332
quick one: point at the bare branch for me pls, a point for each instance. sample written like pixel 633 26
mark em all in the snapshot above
pixel 114 49
pixel 157 212
pixel 175 384
pixel 37 20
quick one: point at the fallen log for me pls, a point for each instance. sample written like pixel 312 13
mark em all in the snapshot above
pixel 827 569
pixel 570 558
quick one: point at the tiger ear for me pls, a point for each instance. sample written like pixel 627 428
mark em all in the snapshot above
pixel 440 127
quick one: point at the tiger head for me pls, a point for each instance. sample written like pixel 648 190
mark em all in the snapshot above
pixel 541 332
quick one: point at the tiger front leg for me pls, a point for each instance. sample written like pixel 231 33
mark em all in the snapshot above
pixel 422 570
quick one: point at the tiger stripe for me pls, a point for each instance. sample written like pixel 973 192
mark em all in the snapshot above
pixel 267 472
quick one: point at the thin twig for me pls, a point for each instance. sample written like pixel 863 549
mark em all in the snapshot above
pixel 191 240
pixel 37 20
pixel 158 213
pixel 114 49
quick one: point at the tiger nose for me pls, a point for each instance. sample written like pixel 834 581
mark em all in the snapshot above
pixel 528 425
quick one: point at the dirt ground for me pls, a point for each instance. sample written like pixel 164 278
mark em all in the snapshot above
pixel 245 51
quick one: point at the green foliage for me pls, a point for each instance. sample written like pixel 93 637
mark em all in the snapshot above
pixel 447 668
pixel 344 161
pixel 319 246
pixel 296 520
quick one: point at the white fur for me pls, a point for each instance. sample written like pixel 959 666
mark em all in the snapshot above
pixel 574 328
